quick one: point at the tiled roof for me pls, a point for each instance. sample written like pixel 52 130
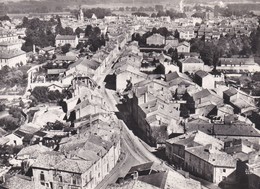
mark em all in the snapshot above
pixel 195 138
pixel 213 157
pixel 192 60
pixel 11 54
pixel 48 160
pixel 65 37
pixel 201 94
pixel 230 92
pixel 66 58
pixel 133 184
pixel 55 71
pixel 33 151
pixel 13 42
pixel 224 129
pixel 19 182
pixel 74 165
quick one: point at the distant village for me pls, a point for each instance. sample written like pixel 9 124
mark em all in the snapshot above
pixel 129 101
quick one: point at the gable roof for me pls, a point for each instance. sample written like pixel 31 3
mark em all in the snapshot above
pixel 192 60
pixel 65 37
pixel 195 138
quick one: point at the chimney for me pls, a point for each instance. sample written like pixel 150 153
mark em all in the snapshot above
pixel 135 175
pixel 145 97
pixel 33 49
pixel 238 91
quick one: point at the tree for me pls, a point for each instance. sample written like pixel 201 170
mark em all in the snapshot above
pixel 97 31
pixel 88 30
pixel 9 123
pixel 154 30
pixel 78 31
pixel 176 34
pixel 175 55
pixel 67 31
pixel 65 48
pixel 207 55
pixel 153 15
pixel 5 17
pixel 2 107
pixel 40 94
pixel 158 8
pixel 21 103
pixel 134 9
pixel 164 31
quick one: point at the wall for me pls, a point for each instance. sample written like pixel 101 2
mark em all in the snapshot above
pixel 208 82
pixel 192 67
pixel 199 167
pixel 12 62
pixel 175 153
pixel 122 77
pixel 221 173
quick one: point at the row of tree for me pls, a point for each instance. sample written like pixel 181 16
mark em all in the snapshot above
pixel 171 13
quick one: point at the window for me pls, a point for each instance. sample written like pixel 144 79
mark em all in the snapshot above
pixel 42 176
pixel 90 175
pixel 74 181
pixel 60 178
pixel 224 170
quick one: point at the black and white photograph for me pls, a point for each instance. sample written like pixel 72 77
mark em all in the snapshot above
pixel 129 94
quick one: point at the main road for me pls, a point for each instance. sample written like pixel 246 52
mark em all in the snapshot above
pixel 135 152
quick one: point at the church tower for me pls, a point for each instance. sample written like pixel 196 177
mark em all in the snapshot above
pixel 181 6
pixel 81 15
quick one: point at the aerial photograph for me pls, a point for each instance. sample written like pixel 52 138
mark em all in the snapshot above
pixel 129 94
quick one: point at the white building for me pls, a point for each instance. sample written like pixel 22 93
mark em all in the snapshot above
pixel 187 34
pixel 191 64
pixel 61 40
pixel 12 58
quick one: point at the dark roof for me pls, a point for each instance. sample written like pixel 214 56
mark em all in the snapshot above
pixel 224 129
pixel 40 133
pixel 201 73
pixel 201 94
pixel 235 130
pixel 230 92
pixel 20 133
pixel 146 166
